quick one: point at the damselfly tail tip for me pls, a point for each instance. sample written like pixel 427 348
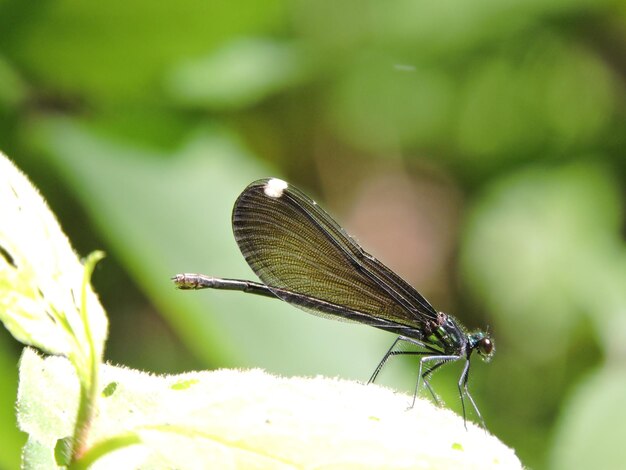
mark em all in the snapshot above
pixel 181 281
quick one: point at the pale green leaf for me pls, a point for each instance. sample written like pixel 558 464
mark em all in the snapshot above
pixel 45 298
pixel 248 419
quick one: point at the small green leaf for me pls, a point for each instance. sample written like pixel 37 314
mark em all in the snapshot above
pixel 63 451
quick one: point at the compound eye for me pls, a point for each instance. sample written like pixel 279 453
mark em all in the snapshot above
pixel 485 346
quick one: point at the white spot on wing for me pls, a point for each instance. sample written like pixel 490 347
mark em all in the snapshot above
pixel 275 187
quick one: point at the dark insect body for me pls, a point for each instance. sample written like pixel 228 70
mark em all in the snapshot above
pixel 305 258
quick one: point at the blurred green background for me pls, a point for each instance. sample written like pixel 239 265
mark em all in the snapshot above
pixel 477 148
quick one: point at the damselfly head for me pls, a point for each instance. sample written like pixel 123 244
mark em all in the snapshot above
pixel 483 344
